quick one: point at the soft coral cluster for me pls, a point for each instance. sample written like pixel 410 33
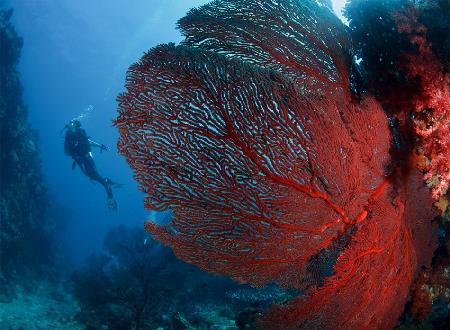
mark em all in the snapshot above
pixel 431 103
pixel 431 287
pixel 409 75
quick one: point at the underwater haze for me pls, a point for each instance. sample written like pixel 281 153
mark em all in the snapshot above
pixel 75 55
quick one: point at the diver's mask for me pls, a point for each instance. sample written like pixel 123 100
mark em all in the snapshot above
pixel 73 125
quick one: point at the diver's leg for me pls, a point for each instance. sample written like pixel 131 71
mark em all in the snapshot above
pixel 91 169
pixel 80 163
pixel 108 189
pixel 87 166
pixel 94 175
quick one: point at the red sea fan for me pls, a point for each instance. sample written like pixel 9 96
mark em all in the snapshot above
pixel 247 132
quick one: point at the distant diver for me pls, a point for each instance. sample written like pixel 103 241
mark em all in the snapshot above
pixel 78 145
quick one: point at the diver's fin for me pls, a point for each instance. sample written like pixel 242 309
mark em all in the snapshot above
pixel 113 184
pixel 112 204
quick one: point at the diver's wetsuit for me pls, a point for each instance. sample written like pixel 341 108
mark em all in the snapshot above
pixel 76 144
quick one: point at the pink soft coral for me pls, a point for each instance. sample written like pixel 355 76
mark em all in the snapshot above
pixel 431 104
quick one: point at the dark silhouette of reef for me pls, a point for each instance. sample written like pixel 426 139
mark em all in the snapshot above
pixel 28 220
pixel 138 284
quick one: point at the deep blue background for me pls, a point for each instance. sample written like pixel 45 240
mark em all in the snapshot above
pixel 75 54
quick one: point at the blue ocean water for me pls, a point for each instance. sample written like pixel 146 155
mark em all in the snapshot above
pixel 75 56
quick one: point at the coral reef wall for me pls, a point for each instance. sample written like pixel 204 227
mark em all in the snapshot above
pixel 27 226
pixel 405 50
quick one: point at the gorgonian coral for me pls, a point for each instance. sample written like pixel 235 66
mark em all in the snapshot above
pixel 247 131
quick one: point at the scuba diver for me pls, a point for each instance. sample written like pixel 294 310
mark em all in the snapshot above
pixel 78 145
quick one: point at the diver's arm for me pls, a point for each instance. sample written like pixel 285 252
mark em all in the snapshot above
pixel 96 144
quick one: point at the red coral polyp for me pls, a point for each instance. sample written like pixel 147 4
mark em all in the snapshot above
pixel 248 134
